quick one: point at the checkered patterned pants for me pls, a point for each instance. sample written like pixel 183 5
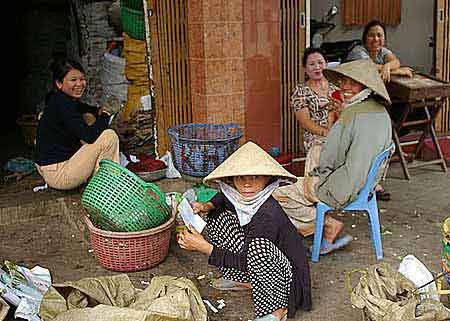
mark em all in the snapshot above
pixel 268 269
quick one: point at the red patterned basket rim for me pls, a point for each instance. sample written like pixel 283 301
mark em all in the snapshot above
pixel 129 235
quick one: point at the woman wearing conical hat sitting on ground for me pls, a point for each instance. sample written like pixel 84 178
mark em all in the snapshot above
pixel 362 131
pixel 250 238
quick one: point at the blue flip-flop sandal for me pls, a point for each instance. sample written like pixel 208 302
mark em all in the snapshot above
pixel 326 247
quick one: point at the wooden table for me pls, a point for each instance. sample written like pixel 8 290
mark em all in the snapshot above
pixel 420 92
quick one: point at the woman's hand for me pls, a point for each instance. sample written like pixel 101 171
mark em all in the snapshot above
pixel 111 106
pixel 385 72
pixel 201 207
pixel 191 240
pixel 403 71
pixel 333 116
pixel 336 105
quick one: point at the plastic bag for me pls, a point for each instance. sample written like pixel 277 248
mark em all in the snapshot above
pixel 417 272
pixel 123 160
pixel 146 102
pixel 20 165
pixel 24 288
pixel 190 195
pixel 171 171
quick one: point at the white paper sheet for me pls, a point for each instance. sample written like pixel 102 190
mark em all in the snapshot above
pixel 188 216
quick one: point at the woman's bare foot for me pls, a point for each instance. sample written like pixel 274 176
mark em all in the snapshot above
pixel 280 313
pixel 332 228
pixel 244 285
pixel 382 195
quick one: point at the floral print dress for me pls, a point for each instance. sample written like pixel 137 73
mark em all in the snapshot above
pixel 304 96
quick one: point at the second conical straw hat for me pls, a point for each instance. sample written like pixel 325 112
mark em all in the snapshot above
pixel 363 71
pixel 249 159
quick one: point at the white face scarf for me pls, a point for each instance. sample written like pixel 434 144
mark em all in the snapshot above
pixel 246 208
pixel 359 97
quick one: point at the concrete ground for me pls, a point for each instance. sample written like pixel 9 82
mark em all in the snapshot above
pixel 45 228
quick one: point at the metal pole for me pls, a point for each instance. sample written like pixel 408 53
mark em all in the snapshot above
pixel 148 13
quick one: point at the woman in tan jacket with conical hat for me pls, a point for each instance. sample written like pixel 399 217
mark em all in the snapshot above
pixel 250 238
pixel 362 132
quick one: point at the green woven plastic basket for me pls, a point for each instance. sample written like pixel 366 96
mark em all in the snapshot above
pixel 120 201
pixel 133 23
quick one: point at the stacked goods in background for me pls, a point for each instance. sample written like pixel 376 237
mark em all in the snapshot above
pixel 137 133
pixel 132 16
pixel 113 77
pixel 135 124
pixel 136 71
pixel 96 32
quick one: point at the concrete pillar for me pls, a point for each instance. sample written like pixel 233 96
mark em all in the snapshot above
pixel 234 65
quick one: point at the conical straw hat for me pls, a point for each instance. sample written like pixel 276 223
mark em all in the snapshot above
pixel 363 71
pixel 249 159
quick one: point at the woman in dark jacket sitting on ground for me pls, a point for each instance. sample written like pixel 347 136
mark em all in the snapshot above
pixel 73 137
pixel 251 239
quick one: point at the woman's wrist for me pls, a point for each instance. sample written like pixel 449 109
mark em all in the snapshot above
pixel 208 206
pixel 323 131
pixel 208 249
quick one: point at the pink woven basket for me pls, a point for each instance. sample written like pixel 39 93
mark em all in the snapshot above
pixel 130 251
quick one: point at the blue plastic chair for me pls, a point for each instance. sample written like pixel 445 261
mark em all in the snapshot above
pixel 366 201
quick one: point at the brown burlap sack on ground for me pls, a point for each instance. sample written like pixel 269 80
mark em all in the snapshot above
pixel 384 294
pixel 114 298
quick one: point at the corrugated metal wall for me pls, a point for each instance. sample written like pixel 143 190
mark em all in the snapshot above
pixel 293 25
pixel 170 66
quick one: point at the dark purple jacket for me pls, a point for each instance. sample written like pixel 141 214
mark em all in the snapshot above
pixel 270 222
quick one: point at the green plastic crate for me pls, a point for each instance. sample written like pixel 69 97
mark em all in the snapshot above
pixel 133 22
pixel 132 4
